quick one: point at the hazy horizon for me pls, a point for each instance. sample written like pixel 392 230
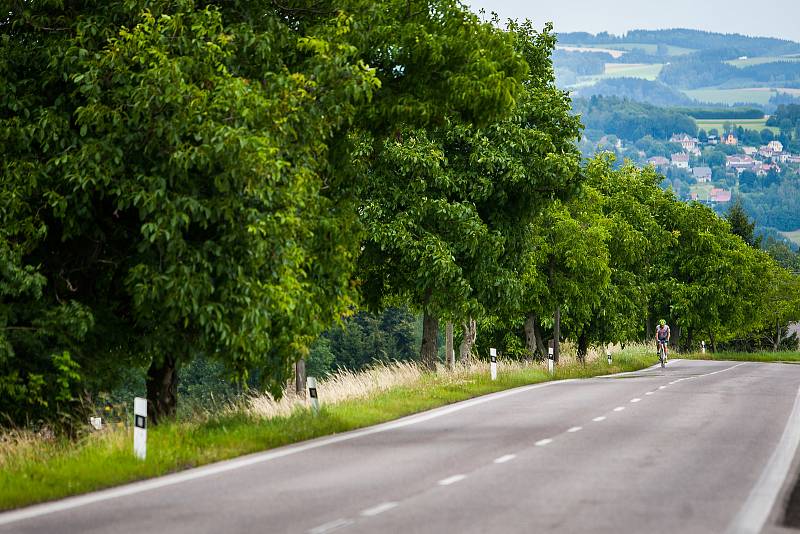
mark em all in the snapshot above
pixel 728 16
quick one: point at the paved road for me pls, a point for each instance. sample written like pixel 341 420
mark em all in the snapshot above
pixel 698 447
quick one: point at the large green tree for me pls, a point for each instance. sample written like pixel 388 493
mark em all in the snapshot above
pixel 178 175
pixel 447 208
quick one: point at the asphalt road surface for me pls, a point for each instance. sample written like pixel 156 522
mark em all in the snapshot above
pixel 697 447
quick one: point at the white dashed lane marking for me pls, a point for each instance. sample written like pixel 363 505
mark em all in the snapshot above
pixel 375 510
pixel 619 408
pixel 331 526
pixel 575 429
pixel 637 399
pixel 598 419
pixel 543 442
pixel 452 480
pixel 504 459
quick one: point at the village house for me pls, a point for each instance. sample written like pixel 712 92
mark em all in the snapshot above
pixel 689 144
pixel 713 140
pixel 775 146
pixel 737 162
pixel 765 152
pixel 730 139
pixel 702 174
pixel 611 141
pixel 658 161
pixel 749 150
pixel 680 160
pixel 764 170
pixel 720 195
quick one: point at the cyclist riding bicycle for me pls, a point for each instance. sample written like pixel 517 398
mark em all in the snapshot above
pixel 662 335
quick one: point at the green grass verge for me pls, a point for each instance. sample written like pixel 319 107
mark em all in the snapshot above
pixel 790 357
pixel 39 470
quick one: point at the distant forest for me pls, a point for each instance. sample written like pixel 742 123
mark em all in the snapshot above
pixel 639 90
pixel 696 39
pixel 697 71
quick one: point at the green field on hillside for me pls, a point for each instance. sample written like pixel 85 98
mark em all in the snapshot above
pixel 794 237
pixel 747 124
pixel 703 191
pixel 754 95
pixel 650 48
pixel 751 61
pixel 633 70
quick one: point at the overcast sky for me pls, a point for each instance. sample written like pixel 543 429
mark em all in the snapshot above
pixel 778 18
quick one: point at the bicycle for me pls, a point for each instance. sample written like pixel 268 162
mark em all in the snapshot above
pixel 662 352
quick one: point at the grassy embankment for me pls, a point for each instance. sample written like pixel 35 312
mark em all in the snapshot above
pixel 781 357
pixel 36 468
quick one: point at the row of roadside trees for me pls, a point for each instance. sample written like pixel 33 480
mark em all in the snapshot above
pixel 185 178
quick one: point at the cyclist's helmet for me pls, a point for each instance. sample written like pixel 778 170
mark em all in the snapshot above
pixel 662 322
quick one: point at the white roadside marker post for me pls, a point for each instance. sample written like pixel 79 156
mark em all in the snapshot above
pixel 608 355
pixel 493 365
pixel 312 393
pixel 96 422
pixel 140 427
pixel 703 346
pixel 550 359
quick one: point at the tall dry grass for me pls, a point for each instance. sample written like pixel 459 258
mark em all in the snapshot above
pixel 347 385
pixel 340 386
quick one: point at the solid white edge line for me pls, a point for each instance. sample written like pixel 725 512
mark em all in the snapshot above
pixel 379 509
pixel 255 458
pixel 504 459
pixel 756 509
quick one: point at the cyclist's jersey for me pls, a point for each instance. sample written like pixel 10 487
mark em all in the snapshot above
pixel 662 332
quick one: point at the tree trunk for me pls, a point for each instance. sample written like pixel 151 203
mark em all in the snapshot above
pixel 429 351
pixel 533 338
pixel 675 336
pixel 689 339
pixel 540 344
pixel 468 343
pixel 649 332
pixel 583 347
pixel 777 344
pixel 162 389
pixel 450 353
pixel 556 333
pixel 713 342
pixel 300 377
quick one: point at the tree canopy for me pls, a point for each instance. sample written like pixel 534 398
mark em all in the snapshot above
pixel 187 179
